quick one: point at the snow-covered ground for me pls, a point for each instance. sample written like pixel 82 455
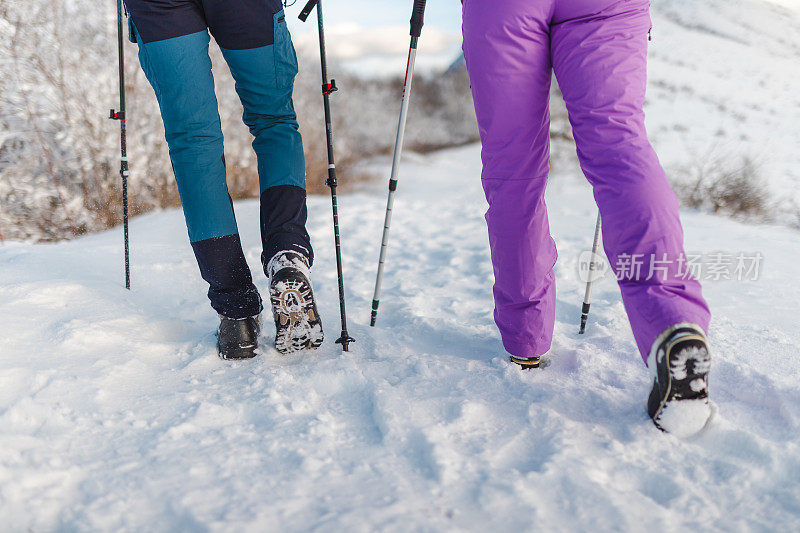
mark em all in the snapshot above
pixel 724 83
pixel 116 414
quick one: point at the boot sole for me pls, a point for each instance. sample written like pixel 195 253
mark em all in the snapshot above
pixel 526 363
pixel 297 322
pixel 686 394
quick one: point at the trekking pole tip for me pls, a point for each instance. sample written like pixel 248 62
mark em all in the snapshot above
pixel 345 341
pixel 584 318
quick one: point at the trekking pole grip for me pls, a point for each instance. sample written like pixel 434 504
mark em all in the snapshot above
pixel 417 18
pixel 307 9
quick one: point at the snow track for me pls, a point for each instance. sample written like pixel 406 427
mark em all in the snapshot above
pixel 115 412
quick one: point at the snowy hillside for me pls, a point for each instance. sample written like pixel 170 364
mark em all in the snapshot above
pixel 116 414
pixel 724 83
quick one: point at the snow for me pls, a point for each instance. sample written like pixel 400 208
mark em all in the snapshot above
pixel 789 4
pixel 115 412
pixel 723 84
pixel 686 418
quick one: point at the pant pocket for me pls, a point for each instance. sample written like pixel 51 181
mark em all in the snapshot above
pixel 285 55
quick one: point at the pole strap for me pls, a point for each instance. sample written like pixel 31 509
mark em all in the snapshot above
pixel 306 11
pixel 329 88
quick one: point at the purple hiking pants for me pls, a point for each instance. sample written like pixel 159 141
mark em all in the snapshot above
pixel 598 49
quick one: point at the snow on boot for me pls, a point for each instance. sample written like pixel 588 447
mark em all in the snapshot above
pixel 297 322
pixel 237 338
pixel 680 360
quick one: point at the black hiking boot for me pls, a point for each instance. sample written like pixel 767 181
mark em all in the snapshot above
pixel 678 402
pixel 237 338
pixel 297 322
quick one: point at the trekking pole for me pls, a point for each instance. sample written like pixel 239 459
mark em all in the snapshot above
pixel 587 297
pixel 123 169
pixel 417 20
pixel 327 89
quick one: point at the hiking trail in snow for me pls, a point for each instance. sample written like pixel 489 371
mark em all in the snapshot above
pixel 115 412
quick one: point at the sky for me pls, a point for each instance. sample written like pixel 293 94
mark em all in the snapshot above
pixel 374 41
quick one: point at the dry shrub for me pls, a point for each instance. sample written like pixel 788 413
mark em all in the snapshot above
pixel 59 154
pixel 724 186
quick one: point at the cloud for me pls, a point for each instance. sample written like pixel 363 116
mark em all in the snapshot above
pixel 349 41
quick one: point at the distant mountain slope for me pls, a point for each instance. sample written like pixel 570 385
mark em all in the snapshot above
pixel 724 83
pixel 723 86
pixel 763 24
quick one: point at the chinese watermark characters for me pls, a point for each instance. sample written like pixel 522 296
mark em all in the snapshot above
pixel 714 266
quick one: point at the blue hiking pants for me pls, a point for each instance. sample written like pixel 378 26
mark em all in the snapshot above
pixel 173 39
